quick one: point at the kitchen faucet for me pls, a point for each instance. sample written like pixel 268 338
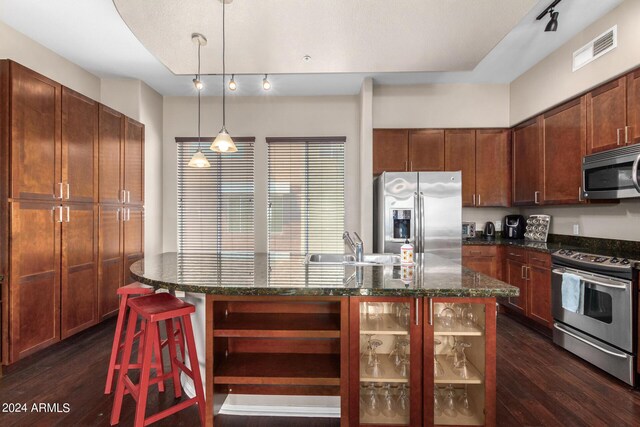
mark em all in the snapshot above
pixel 357 247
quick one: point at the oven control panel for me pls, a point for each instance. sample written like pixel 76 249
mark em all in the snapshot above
pixel 568 254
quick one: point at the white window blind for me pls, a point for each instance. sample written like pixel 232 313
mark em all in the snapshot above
pixel 216 205
pixel 306 194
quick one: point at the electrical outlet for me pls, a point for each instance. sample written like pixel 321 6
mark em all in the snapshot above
pixel 498 225
pixel 576 229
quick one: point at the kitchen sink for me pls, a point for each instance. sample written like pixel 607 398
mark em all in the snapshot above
pixel 367 259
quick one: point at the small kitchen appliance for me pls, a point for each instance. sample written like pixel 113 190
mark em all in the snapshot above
pixel 594 313
pixel 514 227
pixel 468 230
pixel 489 231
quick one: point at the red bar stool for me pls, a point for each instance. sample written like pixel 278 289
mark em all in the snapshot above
pixel 153 309
pixel 131 290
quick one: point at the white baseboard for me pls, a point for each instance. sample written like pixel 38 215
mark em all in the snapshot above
pixel 282 406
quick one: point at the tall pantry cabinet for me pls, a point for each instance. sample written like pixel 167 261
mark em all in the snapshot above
pixel 51 214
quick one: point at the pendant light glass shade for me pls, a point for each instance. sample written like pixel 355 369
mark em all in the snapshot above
pixel 223 143
pixel 199 160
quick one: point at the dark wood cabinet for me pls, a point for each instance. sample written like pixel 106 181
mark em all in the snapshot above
pixel 133 182
pixel 483 259
pixel 460 155
pixel 35 135
pixel 110 137
pixel 527 163
pixel 79 287
pixel 426 150
pixel 606 116
pixel 133 238
pixel 390 150
pixel 110 259
pixel 530 271
pixel 564 143
pixel 79 147
pixel 34 280
pixel 633 107
pixel 493 167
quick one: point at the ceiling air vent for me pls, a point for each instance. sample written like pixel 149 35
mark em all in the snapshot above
pixel 597 47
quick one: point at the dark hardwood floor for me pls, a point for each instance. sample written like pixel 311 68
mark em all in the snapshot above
pixel 538 385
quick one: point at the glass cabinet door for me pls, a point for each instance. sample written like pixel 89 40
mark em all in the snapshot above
pixel 387 347
pixel 460 332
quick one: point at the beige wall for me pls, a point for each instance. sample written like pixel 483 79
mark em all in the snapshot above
pixel 21 49
pixel 261 117
pixel 122 95
pixel 441 106
pixel 552 80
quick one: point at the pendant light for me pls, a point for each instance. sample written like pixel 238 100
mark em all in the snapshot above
pixel 199 160
pixel 223 142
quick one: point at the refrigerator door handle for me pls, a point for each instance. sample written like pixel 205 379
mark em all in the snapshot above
pixel 416 219
pixel 422 224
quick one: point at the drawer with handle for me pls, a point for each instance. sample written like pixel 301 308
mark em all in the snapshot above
pixel 479 251
pixel 516 254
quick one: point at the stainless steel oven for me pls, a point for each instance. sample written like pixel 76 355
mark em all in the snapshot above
pixel 601 327
pixel 612 174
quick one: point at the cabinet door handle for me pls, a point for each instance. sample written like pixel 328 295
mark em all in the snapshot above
pixel 118 215
pixel 124 196
pixel 626 134
pixel 59 213
pixel 535 197
pixel 431 311
pixel 522 272
pixel 68 210
pixel 479 199
pixel 406 165
pixel 417 311
pixel 61 191
pixel 68 191
pixel 474 200
pixel 617 136
pixel 580 194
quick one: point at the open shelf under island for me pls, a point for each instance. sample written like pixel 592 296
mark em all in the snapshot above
pixel 396 351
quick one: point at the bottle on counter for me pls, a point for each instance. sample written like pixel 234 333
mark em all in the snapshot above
pixel 406 253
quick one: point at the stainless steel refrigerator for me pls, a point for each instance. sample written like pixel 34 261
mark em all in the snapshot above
pixel 425 207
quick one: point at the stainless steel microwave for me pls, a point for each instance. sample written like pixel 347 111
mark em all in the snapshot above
pixel 612 174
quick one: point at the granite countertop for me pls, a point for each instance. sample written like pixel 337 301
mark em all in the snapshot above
pixel 285 274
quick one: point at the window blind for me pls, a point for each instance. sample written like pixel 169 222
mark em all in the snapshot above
pixel 306 195
pixel 216 205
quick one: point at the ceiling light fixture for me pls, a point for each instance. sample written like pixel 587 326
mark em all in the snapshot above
pixel 552 25
pixel 232 83
pixel 223 142
pixel 265 83
pixel 199 160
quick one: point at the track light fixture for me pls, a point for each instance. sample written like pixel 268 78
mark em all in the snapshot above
pixel 199 160
pixel 552 25
pixel 232 83
pixel 265 83
pixel 200 40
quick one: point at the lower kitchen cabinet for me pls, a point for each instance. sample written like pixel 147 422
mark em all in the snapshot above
pixel 460 361
pixel 421 361
pixel 530 271
pixel 483 259
pixel 110 259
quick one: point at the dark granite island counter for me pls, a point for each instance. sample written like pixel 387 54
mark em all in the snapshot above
pixel 269 325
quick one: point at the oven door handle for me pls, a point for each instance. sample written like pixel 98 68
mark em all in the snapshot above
pixel 604 350
pixel 595 282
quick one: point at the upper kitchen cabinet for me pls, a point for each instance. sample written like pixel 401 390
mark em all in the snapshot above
pixel 493 167
pixel 527 165
pixel 34 109
pixel 134 162
pixel 460 155
pixel 79 147
pixel 607 116
pixel 564 141
pixel 633 107
pixel 390 150
pixel 110 137
pixel 426 150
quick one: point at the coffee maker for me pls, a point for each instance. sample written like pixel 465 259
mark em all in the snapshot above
pixel 514 227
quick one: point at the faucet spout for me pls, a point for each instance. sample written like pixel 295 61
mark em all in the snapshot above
pixel 356 247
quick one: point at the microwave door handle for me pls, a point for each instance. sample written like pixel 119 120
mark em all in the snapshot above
pixel 634 173
pixel 592 281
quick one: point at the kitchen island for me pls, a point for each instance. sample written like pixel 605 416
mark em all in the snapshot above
pixel 269 324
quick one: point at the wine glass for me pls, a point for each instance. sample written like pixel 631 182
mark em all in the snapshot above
pixel 402 402
pixel 449 401
pixel 438 369
pixel 368 354
pixel 461 365
pixel 387 402
pixel 375 368
pixel 464 405
pixel 396 354
pixel 469 318
pixel 447 317
pixel 403 367
pixel 372 403
pixel 405 315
